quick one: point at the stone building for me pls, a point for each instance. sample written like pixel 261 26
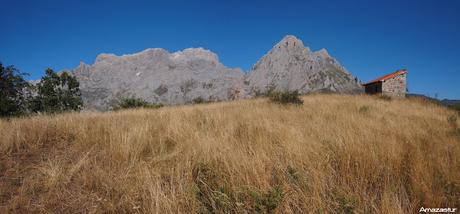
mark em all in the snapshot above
pixel 393 84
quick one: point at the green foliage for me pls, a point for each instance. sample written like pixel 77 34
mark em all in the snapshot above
pixel 364 109
pixel 289 97
pixel 258 93
pixel 268 201
pixel 293 173
pixel 13 92
pixel 384 97
pixel 128 103
pixel 452 191
pixel 57 93
pixel 264 93
pixel 346 203
pixel 455 107
pixel 214 194
pixel 199 100
pixel 211 191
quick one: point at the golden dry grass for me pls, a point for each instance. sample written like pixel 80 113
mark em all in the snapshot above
pixel 334 154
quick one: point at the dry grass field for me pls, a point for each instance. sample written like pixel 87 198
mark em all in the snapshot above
pixel 333 154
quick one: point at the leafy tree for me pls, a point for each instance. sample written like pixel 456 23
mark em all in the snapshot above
pixel 71 97
pixel 13 91
pixel 57 93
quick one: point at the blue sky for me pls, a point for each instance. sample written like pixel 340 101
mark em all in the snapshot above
pixel 370 38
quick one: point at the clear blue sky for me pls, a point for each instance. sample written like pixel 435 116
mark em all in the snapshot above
pixel 370 38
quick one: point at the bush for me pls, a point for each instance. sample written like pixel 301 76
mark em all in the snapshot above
pixel 346 203
pixel 364 109
pixel 455 107
pixel 289 97
pixel 384 97
pixel 199 100
pixel 267 202
pixel 128 103
pixel 210 190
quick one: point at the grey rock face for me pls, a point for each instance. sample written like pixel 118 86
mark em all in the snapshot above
pixel 291 66
pixel 158 77
pixel 196 74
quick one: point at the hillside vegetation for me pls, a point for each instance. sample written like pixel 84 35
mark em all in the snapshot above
pixel 333 154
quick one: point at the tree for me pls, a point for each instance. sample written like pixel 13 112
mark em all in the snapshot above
pixel 71 98
pixel 13 90
pixel 57 93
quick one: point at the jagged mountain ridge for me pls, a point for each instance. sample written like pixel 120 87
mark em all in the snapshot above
pixel 158 76
pixel 290 66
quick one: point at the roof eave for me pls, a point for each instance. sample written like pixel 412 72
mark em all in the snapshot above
pixel 374 82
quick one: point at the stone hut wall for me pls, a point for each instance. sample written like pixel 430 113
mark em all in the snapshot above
pixel 395 86
pixel 374 88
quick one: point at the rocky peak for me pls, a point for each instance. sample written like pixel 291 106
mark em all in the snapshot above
pixel 290 66
pixel 322 53
pixel 143 55
pixel 83 66
pixel 290 42
pixel 194 54
pixel 148 53
pixel 151 51
pixel 105 57
pixel 82 69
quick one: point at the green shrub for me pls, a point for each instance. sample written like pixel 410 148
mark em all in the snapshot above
pixel 267 202
pixel 289 97
pixel 293 173
pixel 385 97
pixel 455 107
pixel 364 109
pixel 346 203
pixel 199 100
pixel 215 195
pixel 128 103
pixel 211 191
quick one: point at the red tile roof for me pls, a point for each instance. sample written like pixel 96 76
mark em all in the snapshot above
pixel 386 77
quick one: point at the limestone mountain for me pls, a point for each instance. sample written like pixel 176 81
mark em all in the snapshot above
pixel 195 74
pixel 158 77
pixel 289 66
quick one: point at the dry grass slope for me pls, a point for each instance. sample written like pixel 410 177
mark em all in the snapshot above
pixel 334 154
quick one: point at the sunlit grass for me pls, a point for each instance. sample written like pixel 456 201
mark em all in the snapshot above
pixel 334 153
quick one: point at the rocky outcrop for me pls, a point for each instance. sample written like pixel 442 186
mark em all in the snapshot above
pixel 158 77
pixel 290 66
pixel 196 74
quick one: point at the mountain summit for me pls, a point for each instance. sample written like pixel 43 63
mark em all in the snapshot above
pixel 289 66
pixel 195 74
